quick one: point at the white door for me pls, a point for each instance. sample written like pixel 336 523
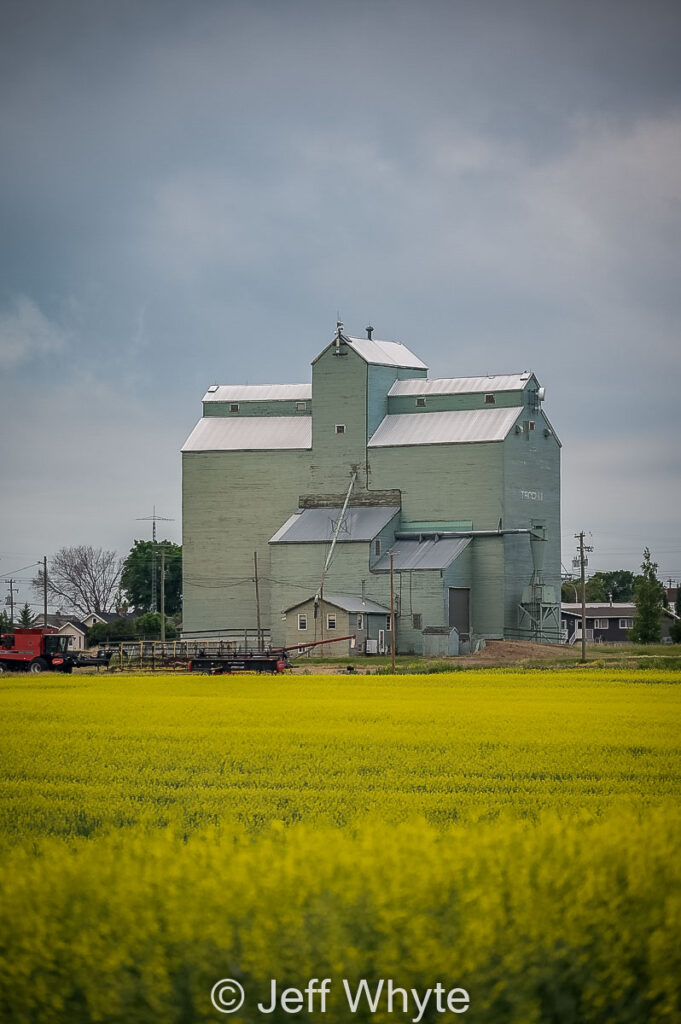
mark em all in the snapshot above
pixel 381 641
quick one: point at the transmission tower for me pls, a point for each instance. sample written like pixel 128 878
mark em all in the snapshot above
pixel 154 519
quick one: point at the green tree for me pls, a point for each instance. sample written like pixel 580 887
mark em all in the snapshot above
pixel 648 595
pixel 136 575
pixel 571 590
pixel 145 627
pixel 149 627
pixel 26 617
pixel 111 632
pixel 619 583
pixel 5 625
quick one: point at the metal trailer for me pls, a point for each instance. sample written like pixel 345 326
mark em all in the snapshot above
pixel 275 660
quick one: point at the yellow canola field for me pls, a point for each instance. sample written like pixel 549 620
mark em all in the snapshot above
pixel 515 834
pixel 81 755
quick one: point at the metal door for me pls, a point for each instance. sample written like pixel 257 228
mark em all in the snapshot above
pixel 460 609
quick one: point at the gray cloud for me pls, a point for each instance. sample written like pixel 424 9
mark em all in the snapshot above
pixel 189 192
pixel 26 334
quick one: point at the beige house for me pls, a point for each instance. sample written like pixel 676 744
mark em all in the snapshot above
pixel 366 623
pixel 71 627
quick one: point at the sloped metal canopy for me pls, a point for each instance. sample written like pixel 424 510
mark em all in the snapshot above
pixel 422 554
pixel 316 525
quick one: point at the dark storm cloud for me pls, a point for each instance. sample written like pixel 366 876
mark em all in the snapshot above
pixel 189 192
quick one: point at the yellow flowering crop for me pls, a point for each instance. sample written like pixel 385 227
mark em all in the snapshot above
pixel 516 834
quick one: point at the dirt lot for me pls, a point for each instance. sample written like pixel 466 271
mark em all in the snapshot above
pixel 515 652
pixel 497 652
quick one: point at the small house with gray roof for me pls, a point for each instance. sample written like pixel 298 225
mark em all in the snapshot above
pixel 455 480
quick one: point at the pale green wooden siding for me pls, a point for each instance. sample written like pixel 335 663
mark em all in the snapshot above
pixel 421 593
pixel 443 403
pixel 379 381
pixel 233 502
pixel 273 408
pixel 386 539
pixel 452 481
pixel 531 470
pixel 339 390
pixel 488 587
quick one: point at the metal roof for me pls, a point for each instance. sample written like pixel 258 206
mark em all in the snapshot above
pixel 250 433
pixel 386 353
pixel 602 611
pixel 348 603
pixel 422 554
pixel 461 385
pixel 456 426
pixel 316 525
pixel 258 393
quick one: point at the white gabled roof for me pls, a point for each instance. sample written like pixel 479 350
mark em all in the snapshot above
pixel 258 393
pixel 249 433
pixel 461 385
pixel 457 426
pixel 386 353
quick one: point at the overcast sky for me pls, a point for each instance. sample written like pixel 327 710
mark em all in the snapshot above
pixel 190 190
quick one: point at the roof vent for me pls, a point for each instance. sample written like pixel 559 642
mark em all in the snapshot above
pixel 369 331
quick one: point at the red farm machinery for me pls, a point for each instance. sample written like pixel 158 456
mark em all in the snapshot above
pixel 35 650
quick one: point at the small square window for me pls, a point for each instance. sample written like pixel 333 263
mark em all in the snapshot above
pixel 421 403
pixel 626 623
pixel 302 622
pixel 417 620
pixel 490 399
pixel 331 620
pixel 301 406
pixel 600 623
pixel 340 428
pixel 234 407
pixel 531 424
pixel 377 547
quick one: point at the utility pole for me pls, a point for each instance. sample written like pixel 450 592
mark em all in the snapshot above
pixel 163 594
pixel 154 519
pixel 45 591
pixel 257 598
pixel 582 561
pixel 10 601
pixel 392 614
